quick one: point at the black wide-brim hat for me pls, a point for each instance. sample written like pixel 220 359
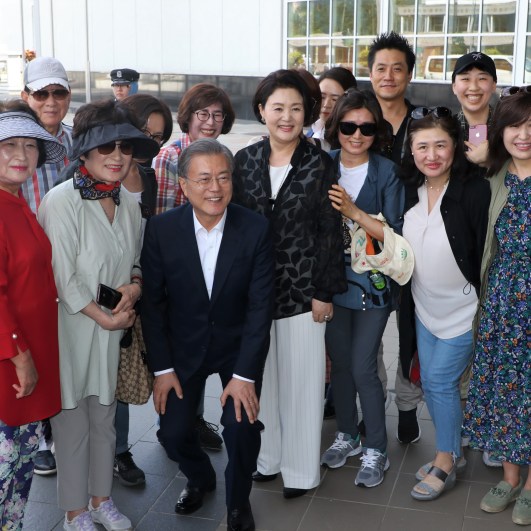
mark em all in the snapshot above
pixel 143 146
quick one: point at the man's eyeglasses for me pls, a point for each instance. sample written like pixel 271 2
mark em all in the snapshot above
pixel 43 95
pixel 438 112
pixel 349 128
pixel 157 137
pixel 125 147
pixel 511 91
pixel 205 182
pixel 203 116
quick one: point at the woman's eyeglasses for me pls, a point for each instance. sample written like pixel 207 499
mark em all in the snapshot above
pixel 43 95
pixel 157 137
pixel 125 147
pixel 511 91
pixel 438 112
pixel 203 116
pixel 349 128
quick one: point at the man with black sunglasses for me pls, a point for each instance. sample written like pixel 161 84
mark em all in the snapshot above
pixel 47 92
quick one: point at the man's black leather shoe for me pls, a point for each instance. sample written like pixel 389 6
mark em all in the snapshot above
pixel 240 519
pixel 262 478
pixel 191 499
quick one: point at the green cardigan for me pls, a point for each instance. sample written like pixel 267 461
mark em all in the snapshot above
pixel 498 198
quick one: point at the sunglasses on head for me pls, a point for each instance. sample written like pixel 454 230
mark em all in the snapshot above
pixel 438 112
pixel 125 147
pixel 43 95
pixel 349 128
pixel 511 91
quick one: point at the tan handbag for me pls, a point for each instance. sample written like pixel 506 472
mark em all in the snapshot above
pixel 135 382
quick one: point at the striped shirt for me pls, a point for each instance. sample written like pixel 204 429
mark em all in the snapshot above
pixel 47 175
pixel 169 193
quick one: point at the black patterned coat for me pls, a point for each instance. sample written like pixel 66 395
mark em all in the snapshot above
pixel 306 229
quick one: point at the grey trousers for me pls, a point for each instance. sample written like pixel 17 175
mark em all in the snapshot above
pixel 84 451
pixel 353 338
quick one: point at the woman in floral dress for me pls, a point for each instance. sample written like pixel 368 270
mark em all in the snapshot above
pixel 497 417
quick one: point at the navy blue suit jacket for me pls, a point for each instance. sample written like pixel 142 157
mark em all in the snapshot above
pixel 183 328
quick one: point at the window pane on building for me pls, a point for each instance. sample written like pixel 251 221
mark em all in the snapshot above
pixel 342 52
pixel 342 17
pixel 463 17
pixel 319 17
pixel 527 74
pixel 318 56
pixel 498 16
pixel 501 49
pixel 402 16
pixel 297 19
pixel 430 59
pixel 431 16
pixel 296 53
pixel 362 53
pixel 367 17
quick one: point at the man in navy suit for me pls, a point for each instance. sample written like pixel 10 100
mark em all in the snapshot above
pixel 207 297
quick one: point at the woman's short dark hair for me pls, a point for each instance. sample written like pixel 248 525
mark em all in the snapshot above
pixel 460 169
pixel 100 112
pixel 315 90
pixel 511 110
pixel 144 105
pixel 201 96
pixel 18 105
pixel 340 75
pixel 358 99
pixel 285 79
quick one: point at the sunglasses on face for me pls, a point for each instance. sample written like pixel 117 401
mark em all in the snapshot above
pixel 125 147
pixel 438 112
pixel 511 91
pixel 349 128
pixel 43 95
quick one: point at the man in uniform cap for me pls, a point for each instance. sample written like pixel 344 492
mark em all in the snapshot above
pixel 124 82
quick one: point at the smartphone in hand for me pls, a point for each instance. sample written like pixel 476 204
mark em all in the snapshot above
pixel 108 297
pixel 477 134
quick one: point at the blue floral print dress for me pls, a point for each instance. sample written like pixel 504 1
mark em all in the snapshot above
pixel 497 415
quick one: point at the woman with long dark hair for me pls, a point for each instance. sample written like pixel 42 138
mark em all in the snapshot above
pixel 497 415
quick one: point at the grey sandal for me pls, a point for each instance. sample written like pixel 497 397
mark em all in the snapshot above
pixel 448 479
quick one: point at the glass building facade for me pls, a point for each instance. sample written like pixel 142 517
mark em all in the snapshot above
pixel 325 33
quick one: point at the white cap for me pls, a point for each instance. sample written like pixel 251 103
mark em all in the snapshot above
pixel 44 71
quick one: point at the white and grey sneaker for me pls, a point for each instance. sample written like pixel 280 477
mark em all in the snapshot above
pixel 82 522
pixel 110 517
pixel 373 466
pixel 491 461
pixel 344 446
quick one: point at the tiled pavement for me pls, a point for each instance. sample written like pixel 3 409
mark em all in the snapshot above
pixel 336 505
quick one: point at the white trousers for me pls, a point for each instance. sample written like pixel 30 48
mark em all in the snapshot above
pixel 291 403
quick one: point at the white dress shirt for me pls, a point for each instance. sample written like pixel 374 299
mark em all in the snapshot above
pixel 208 244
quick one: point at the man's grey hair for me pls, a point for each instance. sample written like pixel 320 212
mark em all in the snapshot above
pixel 204 146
